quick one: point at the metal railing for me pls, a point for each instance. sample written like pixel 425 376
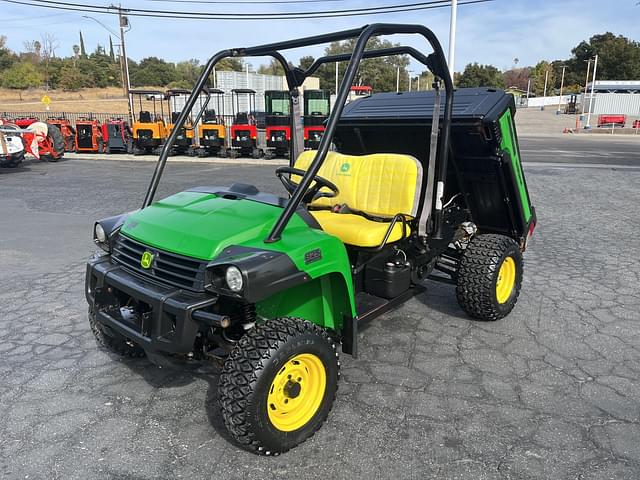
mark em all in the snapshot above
pixel 72 117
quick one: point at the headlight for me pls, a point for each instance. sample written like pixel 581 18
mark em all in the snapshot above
pixel 99 233
pixel 234 279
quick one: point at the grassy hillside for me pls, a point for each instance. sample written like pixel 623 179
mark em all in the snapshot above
pixel 107 100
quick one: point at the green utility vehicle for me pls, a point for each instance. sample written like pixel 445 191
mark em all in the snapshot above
pixel 399 191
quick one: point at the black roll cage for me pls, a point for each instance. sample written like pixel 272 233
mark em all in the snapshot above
pixel 435 62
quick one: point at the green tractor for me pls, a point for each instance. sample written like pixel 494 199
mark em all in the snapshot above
pixel 400 190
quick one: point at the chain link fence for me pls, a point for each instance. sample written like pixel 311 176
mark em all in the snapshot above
pixel 72 117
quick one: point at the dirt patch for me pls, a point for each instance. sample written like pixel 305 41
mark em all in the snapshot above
pixel 104 100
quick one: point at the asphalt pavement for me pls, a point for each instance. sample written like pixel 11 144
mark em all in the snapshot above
pixel 551 391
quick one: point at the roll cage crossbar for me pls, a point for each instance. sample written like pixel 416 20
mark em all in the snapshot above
pixel 435 62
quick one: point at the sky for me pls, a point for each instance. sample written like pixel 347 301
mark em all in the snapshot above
pixel 493 33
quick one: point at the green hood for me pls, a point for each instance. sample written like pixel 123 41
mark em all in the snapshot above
pixel 200 225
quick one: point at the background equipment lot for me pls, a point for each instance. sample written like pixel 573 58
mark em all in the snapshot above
pixel 550 392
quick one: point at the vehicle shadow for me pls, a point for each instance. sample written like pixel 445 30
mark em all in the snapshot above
pixel 441 297
pixel 14 170
pixel 180 375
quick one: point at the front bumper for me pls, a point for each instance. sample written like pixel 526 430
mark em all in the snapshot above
pixel 12 158
pixel 143 142
pixel 245 144
pixel 182 142
pixel 211 142
pixel 163 322
pixel 279 144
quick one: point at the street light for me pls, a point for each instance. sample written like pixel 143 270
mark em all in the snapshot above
pixel 586 81
pixel 409 72
pixel 593 86
pixel 102 25
pixel 561 85
pixel 544 92
pixel 452 36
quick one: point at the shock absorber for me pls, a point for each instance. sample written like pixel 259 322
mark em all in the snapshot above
pixel 248 315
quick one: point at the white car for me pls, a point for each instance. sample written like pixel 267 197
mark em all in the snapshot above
pixel 11 146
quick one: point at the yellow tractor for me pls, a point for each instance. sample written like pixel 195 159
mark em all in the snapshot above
pixel 212 131
pixel 149 130
pixel 176 99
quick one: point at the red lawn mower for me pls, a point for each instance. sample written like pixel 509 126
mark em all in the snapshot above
pixel 117 136
pixel 244 132
pixel 24 122
pixel 277 122
pixel 89 136
pixel 67 131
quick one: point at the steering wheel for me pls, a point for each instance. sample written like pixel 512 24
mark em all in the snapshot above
pixel 314 192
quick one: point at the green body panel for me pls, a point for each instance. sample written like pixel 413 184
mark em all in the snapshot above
pixel 201 225
pixel 324 301
pixel 509 143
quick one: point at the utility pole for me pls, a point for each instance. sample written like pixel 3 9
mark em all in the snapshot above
pixel 561 85
pixel 544 93
pixel 586 81
pixel 418 83
pixel 409 72
pixel 337 77
pixel 246 72
pixel 398 80
pixel 452 36
pixel 124 22
pixel 593 86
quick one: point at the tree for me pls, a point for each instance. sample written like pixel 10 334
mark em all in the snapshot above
pixel 49 45
pixel 273 68
pixel 76 54
pixel 7 57
pixel 230 64
pixel 21 75
pixel 476 75
pixel 187 74
pixel 379 73
pixel 112 55
pixel 517 77
pixel 306 62
pixel 538 76
pixel 153 71
pixel 425 81
pixel 72 79
pixel 32 51
pixel 83 52
pixel 618 58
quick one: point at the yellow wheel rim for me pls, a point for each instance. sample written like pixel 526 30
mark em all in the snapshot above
pixel 506 280
pixel 296 392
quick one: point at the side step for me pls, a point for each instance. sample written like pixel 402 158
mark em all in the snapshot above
pixel 369 306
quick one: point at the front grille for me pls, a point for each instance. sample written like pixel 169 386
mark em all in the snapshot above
pixel 166 267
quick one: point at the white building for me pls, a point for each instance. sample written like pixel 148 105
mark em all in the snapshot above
pixel 613 97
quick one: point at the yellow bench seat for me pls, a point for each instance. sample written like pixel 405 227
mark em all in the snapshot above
pixel 380 185
pixel 357 230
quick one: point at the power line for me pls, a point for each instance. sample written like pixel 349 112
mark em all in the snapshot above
pixel 242 2
pixel 244 16
pixel 132 11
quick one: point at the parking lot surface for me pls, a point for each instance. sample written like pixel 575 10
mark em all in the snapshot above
pixel 551 391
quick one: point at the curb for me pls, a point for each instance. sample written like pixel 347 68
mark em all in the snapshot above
pixel 178 158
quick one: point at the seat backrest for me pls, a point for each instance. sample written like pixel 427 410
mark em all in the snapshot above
pixel 380 184
pixel 209 115
pixel 145 116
